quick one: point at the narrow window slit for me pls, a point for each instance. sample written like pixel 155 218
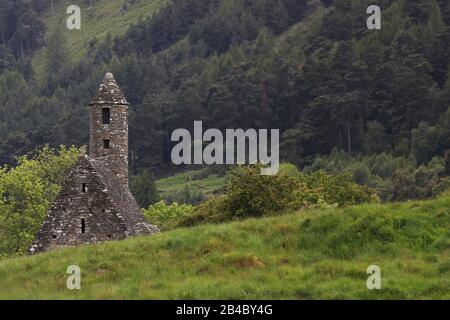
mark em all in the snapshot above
pixel 106 115
pixel 83 226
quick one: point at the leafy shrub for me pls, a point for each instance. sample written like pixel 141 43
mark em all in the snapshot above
pixel 361 174
pixel 392 178
pixel 166 216
pixel 185 196
pixel 212 210
pixel 443 187
pixel 338 189
pixel 252 195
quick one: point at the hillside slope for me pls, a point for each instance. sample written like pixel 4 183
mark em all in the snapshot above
pixel 99 19
pixel 200 181
pixel 311 255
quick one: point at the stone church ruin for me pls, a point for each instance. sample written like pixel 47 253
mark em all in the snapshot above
pixel 95 203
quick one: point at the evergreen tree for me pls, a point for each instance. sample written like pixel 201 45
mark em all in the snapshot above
pixel 143 187
pixel 56 58
pixel 447 163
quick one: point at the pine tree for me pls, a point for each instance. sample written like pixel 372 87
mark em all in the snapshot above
pixel 447 164
pixel 438 49
pixel 146 133
pixel 56 58
pixel 143 187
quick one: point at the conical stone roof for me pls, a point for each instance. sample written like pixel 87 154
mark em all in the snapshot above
pixel 109 92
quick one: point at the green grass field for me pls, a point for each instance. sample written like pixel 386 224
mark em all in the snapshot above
pixel 194 179
pixel 305 255
pixel 105 16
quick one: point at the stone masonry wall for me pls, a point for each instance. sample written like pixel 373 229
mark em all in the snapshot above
pixel 117 132
pixel 63 224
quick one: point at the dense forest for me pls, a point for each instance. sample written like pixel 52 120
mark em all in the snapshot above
pixel 364 114
pixel 310 68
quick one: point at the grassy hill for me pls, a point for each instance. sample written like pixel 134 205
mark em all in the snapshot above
pixel 306 255
pixel 198 180
pixel 116 16
pixel 103 17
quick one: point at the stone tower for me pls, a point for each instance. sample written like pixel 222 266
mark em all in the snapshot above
pixel 95 203
pixel 109 127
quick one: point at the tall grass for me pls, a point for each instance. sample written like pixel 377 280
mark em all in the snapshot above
pixel 305 255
